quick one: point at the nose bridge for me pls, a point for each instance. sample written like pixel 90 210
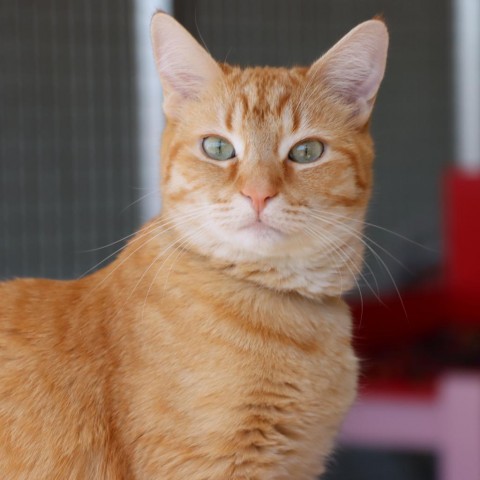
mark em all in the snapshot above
pixel 259 181
pixel 260 174
pixel 260 165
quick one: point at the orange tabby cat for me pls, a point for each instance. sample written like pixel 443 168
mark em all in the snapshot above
pixel 216 346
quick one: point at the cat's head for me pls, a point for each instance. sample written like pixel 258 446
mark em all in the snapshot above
pixel 267 162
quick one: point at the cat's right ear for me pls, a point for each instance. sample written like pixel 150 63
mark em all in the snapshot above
pixel 184 67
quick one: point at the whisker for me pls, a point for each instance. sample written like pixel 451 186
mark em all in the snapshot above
pixel 377 256
pixel 185 219
pixel 335 249
pixel 178 248
pixel 343 258
pixel 379 227
pixel 139 235
pixel 360 273
pixel 182 242
pixel 375 292
pixel 109 244
pixel 143 197
pixel 157 257
pixel 366 237
pixel 372 273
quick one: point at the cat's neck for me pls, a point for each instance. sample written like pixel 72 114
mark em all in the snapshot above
pixel 153 279
pixel 156 257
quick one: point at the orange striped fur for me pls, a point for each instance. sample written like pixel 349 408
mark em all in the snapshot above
pixel 216 346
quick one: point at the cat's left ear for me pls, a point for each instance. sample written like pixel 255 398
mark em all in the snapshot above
pixel 184 67
pixel 354 67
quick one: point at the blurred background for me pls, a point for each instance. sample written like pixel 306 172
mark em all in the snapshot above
pixel 80 124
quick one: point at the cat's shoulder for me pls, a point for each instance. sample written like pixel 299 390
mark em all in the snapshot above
pixel 26 292
pixel 30 308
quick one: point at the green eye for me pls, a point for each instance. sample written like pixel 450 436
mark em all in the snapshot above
pixel 307 151
pixel 218 148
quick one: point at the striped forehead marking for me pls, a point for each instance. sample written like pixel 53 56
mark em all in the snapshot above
pixel 262 95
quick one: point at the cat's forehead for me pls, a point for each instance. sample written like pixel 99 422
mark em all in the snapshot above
pixel 260 95
pixel 264 87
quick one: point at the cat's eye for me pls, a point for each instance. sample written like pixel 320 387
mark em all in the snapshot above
pixel 218 148
pixel 307 151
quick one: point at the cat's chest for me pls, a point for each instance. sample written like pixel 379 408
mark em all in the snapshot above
pixel 274 359
pixel 237 399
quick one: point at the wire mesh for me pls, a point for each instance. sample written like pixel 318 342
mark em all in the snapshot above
pixel 67 134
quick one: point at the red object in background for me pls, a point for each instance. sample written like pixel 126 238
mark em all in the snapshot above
pixel 398 320
pixel 452 300
pixel 462 252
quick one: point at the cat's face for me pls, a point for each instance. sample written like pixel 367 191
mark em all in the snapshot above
pixel 266 162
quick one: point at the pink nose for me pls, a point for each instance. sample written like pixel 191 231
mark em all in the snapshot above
pixel 258 196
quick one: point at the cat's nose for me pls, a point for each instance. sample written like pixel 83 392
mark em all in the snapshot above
pixel 259 196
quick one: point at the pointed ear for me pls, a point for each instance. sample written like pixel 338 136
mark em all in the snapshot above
pixel 185 68
pixel 353 68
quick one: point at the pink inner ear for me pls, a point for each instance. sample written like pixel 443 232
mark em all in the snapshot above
pixel 354 67
pixel 187 84
pixel 356 78
pixel 373 71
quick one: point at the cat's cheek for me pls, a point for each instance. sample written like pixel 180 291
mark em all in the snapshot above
pixel 346 187
pixel 177 183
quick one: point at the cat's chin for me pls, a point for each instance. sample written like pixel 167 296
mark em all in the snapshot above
pixel 260 229
pixel 259 237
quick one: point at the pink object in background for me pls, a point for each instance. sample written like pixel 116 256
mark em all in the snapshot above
pixel 447 423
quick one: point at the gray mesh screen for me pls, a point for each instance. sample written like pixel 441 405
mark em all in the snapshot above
pixel 411 124
pixel 66 134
